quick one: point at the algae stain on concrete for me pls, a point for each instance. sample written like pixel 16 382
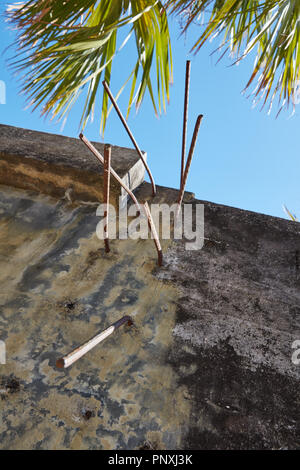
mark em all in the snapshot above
pixel 131 364
pixel 73 290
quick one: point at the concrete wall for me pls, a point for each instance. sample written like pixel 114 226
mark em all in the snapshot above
pixel 208 363
pixel 62 166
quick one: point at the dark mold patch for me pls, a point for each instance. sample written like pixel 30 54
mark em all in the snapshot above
pixel 9 385
pixel 234 407
pixel 70 305
pixel 87 414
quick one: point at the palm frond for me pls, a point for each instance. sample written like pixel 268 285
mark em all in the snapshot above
pixel 270 27
pixel 66 47
pixel 290 215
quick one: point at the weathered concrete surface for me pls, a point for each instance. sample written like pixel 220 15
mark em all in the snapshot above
pixel 54 164
pixel 209 363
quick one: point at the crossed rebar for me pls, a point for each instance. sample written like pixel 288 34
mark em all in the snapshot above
pixel 106 161
pixel 74 355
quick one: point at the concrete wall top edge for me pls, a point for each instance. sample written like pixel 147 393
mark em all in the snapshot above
pixel 61 150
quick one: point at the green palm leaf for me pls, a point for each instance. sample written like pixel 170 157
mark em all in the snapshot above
pixel 66 47
pixel 291 216
pixel 270 27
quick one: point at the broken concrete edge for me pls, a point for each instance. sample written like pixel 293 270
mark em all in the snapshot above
pixel 170 196
pixel 58 166
pixel 62 167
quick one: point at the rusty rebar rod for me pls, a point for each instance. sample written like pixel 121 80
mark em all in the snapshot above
pixel 189 160
pixel 107 89
pixel 107 160
pixel 77 353
pixel 145 205
pixel 154 232
pixel 99 157
pixel 185 118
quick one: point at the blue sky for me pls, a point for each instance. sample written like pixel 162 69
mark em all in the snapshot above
pixel 244 158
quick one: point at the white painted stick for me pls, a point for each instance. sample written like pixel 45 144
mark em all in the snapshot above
pixel 77 353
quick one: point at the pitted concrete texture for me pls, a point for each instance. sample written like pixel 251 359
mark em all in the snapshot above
pixel 55 164
pixel 208 363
